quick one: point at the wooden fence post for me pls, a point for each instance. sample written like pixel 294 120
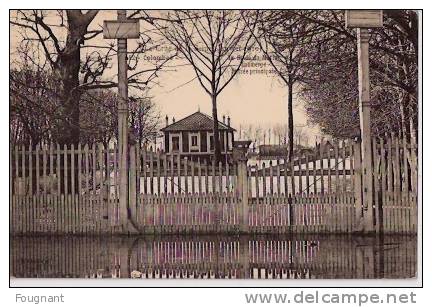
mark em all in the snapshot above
pixel 244 258
pixel 242 184
pixel 132 183
pixel 358 186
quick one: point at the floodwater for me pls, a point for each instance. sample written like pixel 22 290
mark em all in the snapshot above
pixel 257 257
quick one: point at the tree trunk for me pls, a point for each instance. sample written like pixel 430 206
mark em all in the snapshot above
pixel 290 122
pixel 66 69
pixel 217 147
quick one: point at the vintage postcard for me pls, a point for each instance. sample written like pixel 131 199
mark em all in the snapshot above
pixel 214 144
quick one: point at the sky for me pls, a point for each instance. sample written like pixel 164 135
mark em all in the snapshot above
pixel 258 99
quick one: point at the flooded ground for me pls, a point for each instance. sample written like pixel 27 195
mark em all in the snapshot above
pixel 257 257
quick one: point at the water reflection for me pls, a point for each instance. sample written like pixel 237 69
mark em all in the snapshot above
pixel 262 257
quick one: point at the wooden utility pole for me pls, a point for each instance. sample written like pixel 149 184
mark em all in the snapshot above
pixel 122 121
pixel 365 127
pixel 362 20
pixel 122 29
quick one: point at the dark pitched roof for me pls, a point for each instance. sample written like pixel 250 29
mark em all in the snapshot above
pixel 195 122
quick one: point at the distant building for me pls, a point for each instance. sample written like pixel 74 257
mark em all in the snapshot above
pixel 192 137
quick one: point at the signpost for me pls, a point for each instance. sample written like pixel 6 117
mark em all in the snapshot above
pixel 122 29
pixel 362 20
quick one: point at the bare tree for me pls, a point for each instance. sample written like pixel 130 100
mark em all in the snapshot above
pixel 78 60
pixel 144 119
pixel 73 52
pixel 301 136
pixel 64 57
pixel 98 116
pixel 285 40
pixel 33 107
pixel 215 44
pixel 253 132
pixel 280 131
pixel 394 71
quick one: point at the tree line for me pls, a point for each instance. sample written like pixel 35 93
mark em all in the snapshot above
pixel 61 89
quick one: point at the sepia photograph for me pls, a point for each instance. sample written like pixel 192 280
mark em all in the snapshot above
pixel 249 144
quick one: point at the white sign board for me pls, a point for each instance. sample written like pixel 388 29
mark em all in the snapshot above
pixel 121 29
pixel 364 18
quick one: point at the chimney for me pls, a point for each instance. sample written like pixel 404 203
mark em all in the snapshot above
pixel 229 121
pixel 173 120
pixel 166 120
pixel 223 119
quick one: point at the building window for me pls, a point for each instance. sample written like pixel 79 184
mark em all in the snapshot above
pixel 211 143
pixel 194 142
pixel 175 143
